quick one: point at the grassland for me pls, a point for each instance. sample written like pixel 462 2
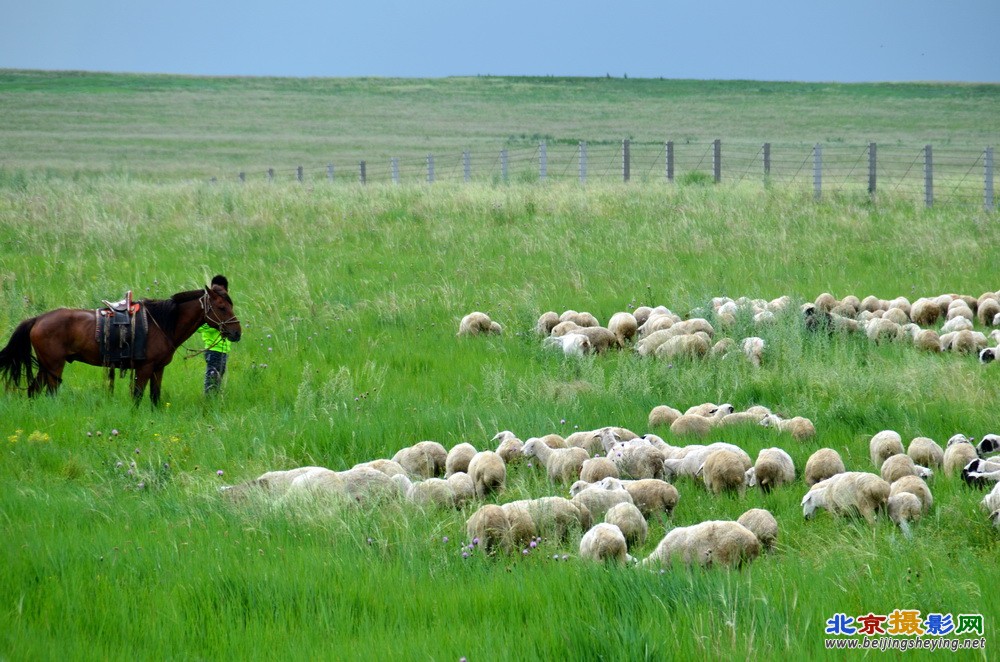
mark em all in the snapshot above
pixel 350 298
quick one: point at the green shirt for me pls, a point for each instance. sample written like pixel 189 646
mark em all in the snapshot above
pixel 213 339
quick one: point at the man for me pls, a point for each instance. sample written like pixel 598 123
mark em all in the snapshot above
pixel 216 349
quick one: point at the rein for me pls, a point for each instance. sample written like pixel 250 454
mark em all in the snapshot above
pixel 206 307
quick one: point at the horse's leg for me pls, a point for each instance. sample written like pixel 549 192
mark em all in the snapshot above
pixel 140 377
pixel 111 380
pixel 49 375
pixel 154 386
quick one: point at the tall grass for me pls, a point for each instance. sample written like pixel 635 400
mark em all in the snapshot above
pixel 350 299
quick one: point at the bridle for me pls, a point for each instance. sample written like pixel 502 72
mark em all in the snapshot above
pixel 208 310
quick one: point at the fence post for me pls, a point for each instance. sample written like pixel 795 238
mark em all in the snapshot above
pixel 872 170
pixel 430 168
pixel 243 176
pixel 329 172
pixel 928 176
pixel 626 160
pixel 467 165
pixel 767 159
pixel 670 160
pixel 583 161
pixel 298 174
pixel 717 160
pixel 394 169
pixel 270 174
pixel 543 161
pixel 817 171
pixel 988 179
pixel 503 164
pixel 363 172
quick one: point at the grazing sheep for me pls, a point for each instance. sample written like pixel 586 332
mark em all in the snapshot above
pixel 915 486
pixel 705 409
pixel 571 344
pixel 956 324
pixel 598 498
pixel 629 519
pixel 990 443
pixel 651 496
pixel 509 448
pixel 724 470
pixel 463 486
pixel 716 542
pixel 689 345
pixel 925 312
pixel 904 508
pixel 883 445
pixel 363 485
pixel 926 452
pixel 590 440
pixel 477 323
pixel 624 326
pixel 488 472
pixel 692 457
pixel 897 316
pixel 425 459
pixel 988 311
pixel 663 415
pixel 691 424
pixel 879 330
pixel 274 483
pixel 604 542
pixel 601 340
pixel 722 348
pixel 388 467
pixel 636 458
pixel 958 454
pixel 562 328
pixel 641 314
pixel 583 319
pixel 927 340
pixel 562 464
pixel 773 468
pixel 522 526
pixel 823 464
pixel 656 323
pixel 899 465
pixel 553 517
pixel 753 349
pixel 825 302
pixel 991 502
pixel 489 528
pixel 458 458
pixel 763 525
pixel 436 492
pixel 988 355
pixel 741 418
pixel 596 468
pixel 800 427
pixel 546 323
pixel 847 493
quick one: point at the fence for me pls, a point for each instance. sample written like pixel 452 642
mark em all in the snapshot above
pixel 954 175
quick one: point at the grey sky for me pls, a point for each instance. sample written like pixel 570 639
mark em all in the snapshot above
pixel 806 40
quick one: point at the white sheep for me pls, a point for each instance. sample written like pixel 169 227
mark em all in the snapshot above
pixel 847 493
pixel 763 525
pixel 601 340
pixel 598 498
pixel 987 312
pixel 716 542
pixel 773 468
pixel 477 323
pixel 915 486
pixel 436 492
pixel 662 415
pixel 458 458
pixel 899 465
pixel 388 467
pixel 489 528
pixel 822 464
pixel 753 349
pixel 629 519
pixel 652 496
pixel 904 508
pixel 624 326
pixel 509 447
pixel 425 459
pixel 691 458
pixel 571 344
pixel 925 312
pixel 884 444
pixel 275 483
pixel 562 464
pixel 546 323
pixel 991 501
pixel 488 472
pixel 957 454
pixel 799 427
pixel 463 486
pixel 596 468
pixel 926 452
pixel 604 542
pixel 724 470
pixel 691 424
pixel 553 517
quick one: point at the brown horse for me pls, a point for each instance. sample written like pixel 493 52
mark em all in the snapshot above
pixel 70 334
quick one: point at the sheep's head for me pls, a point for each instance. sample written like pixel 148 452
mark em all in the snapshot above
pixel 923 472
pixel 958 439
pixel 988 355
pixel 504 436
pixel 530 447
pixel 990 443
pixel 670 467
pixel 995 518
pixel 810 502
pixel 610 483
pixel 751 477
pixel 578 487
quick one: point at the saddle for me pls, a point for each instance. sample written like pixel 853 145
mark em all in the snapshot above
pixel 122 328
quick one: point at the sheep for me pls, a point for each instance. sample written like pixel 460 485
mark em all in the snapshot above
pixel 926 452
pixel 763 525
pixel 546 323
pixel 715 542
pixel 489 528
pixel 915 486
pixel 510 447
pixel 641 314
pixel 272 482
pixel 705 409
pixel 847 493
pixel 590 440
pixel 688 327
pixel 724 470
pixel 477 323
pixel 601 340
pixel 458 458
pixel 693 457
pixel 956 324
pixel 488 472
pixel 988 355
pixel 741 418
pixel 362 485
pixel 596 468
pixel 773 468
pixel 925 312
pixel 825 302
pixel 722 348
pixel 990 443
pixel 662 415
pixel 656 323
pixel 959 309
pixel 463 486
pixel 967 342
pixel 562 464
pixel 583 319
pixel 884 444
pixel 897 316
pixel 691 424
pixel 904 508
pixel 823 464
pixel 636 458
pixel 598 498
pixel 425 459
pixel 522 526
pixel 988 311
pixel 991 502
pixel 432 491
pixel 624 326
pixel 630 520
pixel 651 495
pixel 979 473
pixel 879 330
pixel 927 340
pixel 897 466
pixel 688 345
pixel 388 467
pixel 957 454
pixel 604 542
pixel 571 344
pixel 799 427
pixel 753 349
pixel 552 516
pixel 562 328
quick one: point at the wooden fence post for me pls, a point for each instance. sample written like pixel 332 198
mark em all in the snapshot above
pixel 243 176
pixel 329 172
pixel 363 172
pixel 543 161
pixel 430 168
pixel 670 160
pixel 270 174
pixel 583 161
pixel 988 179
pixel 717 160
pixel 467 165
pixel 503 164
pixel 928 176
pixel 298 174
pixel 872 168
pixel 767 159
pixel 626 160
pixel 817 171
pixel 394 169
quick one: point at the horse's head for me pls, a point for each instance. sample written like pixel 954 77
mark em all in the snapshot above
pixel 219 313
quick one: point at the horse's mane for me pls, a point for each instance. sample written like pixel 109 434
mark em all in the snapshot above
pixel 164 311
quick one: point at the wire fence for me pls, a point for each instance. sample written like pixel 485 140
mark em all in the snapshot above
pixel 947 176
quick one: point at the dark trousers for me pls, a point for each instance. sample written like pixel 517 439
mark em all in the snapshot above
pixel 215 368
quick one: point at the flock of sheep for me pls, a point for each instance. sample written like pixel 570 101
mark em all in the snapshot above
pixel 616 480
pixel 662 333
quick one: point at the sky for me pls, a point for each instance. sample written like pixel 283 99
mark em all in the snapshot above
pixel 781 40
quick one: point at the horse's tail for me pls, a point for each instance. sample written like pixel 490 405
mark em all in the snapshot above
pixel 16 358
